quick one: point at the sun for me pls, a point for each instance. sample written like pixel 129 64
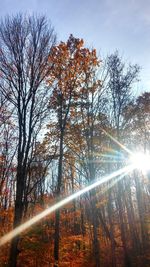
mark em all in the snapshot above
pixel 141 161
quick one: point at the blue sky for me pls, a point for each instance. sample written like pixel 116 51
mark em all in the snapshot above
pixel 106 25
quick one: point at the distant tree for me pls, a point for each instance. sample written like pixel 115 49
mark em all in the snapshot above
pixel 136 114
pixel 7 153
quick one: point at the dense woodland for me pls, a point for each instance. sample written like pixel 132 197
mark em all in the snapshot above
pixel 64 114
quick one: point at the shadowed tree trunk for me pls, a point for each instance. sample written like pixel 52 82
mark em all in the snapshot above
pixel 58 191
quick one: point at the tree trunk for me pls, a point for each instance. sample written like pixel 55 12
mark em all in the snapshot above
pixel 56 241
pixel 95 233
pixel 112 238
pixel 136 243
pixel 17 219
pixel 141 210
pixel 57 214
pixel 127 262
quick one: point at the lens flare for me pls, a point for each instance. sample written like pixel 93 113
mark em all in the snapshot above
pixel 141 161
pixel 63 202
pixel 117 142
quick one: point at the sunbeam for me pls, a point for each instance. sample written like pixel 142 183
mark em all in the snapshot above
pixel 35 219
pixel 109 186
pixel 117 142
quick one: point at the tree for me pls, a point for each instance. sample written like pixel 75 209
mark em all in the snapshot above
pixel 137 114
pixel 120 81
pixel 121 78
pixel 72 66
pixel 25 46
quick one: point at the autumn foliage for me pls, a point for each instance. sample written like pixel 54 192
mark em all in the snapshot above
pixel 82 109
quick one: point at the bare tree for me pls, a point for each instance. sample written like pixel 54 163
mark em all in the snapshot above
pixel 121 79
pixel 25 46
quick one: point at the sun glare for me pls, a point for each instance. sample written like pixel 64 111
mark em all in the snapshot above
pixel 141 161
